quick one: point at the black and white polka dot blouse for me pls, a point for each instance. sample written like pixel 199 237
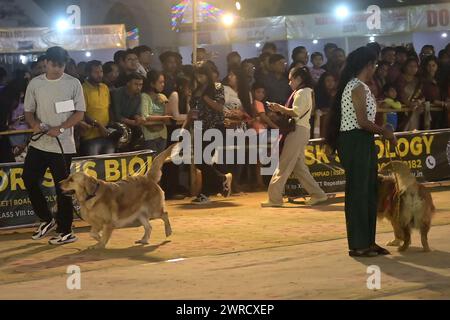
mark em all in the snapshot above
pixel 349 121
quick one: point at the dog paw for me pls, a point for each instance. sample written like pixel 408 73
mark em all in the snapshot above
pixel 394 243
pixel 97 246
pixel 426 249
pixel 95 236
pixel 144 242
pixel 403 248
pixel 168 232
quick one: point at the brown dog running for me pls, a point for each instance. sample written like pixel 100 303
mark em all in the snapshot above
pixel 415 209
pixel 133 202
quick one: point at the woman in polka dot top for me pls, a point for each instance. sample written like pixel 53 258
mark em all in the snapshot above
pixel 351 132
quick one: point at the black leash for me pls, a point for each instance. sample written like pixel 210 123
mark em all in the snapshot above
pixel 35 137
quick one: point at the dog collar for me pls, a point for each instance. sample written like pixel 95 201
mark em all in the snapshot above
pixel 91 196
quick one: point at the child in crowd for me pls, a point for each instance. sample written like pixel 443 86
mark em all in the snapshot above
pixel 391 102
pixel 317 62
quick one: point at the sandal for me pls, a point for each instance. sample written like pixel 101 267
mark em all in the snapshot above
pixel 380 250
pixel 366 253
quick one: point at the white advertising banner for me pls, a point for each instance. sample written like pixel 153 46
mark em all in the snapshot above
pixel 371 22
pixel 83 38
pixel 433 17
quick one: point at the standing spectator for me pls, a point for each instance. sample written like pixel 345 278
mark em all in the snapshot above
pixel 444 60
pixel 292 159
pixel 207 101
pixel 263 67
pixel 97 97
pixel 237 111
pixel 379 80
pixel 337 62
pixel 9 99
pixel 262 121
pixel 110 74
pixel 126 105
pixel 249 70
pixel 214 71
pixel 432 92
pixel 351 131
pixel 202 56
pixel 388 55
pixel 119 60
pixel 427 50
pixel 153 109
pixel 299 56
pixel 316 70
pixel 325 93
pixel 401 55
pixel 375 47
pixel 71 69
pixel 410 94
pixel 391 102
pixel 328 50
pixel 180 98
pixel 81 70
pixel 130 66
pixel 276 82
pixel 169 61
pixel 270 48
pixel 44 113
pixel 38 67
pixel 233 60
pixel 144 54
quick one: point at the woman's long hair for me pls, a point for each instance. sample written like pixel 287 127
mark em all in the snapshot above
pixel 356 62
pixel 243 89
pixel 323 98
pixel 303 72
pixel 211 86
pixel 182 82
pixel 149 82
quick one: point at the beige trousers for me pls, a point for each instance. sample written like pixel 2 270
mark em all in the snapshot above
pixel 292 159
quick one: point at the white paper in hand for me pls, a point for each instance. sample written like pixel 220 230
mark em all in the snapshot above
pixel 65 106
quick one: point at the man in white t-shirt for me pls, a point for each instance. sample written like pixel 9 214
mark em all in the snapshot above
pixel 54 104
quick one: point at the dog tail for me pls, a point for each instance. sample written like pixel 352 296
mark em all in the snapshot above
pixel 155 171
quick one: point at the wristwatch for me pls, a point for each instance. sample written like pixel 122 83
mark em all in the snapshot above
pixel 61 130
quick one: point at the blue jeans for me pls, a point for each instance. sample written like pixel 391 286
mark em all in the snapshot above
pixel 98 146
pixel 157 145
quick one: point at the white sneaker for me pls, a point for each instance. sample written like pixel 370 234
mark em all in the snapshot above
pixel 63 239
pixel 315 201
pixel 44 229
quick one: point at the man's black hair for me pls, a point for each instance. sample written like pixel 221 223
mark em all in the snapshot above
pixel 91 65
pixel 134 76
pixel 57 55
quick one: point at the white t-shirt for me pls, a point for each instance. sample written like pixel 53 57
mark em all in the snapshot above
pixel 302 106
pixel 349 120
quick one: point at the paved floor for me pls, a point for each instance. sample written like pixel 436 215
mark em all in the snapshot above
pixel 231 250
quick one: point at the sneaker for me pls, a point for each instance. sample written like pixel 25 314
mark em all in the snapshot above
pixel 44 229
pixel 271 205
pixel 315 201
pixel 226 192
pixel 201 199
pixel 63 239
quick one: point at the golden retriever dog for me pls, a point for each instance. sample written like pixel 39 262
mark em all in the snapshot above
pixel 129 203
pixel 409 207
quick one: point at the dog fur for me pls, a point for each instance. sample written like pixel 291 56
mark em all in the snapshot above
pixel 415 203
pixel 130 203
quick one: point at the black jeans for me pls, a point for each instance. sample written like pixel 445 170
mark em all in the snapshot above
pixel 36 164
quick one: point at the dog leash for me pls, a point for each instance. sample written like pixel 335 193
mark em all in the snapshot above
pixel 35 137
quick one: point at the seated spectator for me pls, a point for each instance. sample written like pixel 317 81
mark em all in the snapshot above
pixel 316 70
pixel 110 74
pixel 126 106
pixel 130 66
pixel 94 140
pixel 276 81
pixel 153 109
